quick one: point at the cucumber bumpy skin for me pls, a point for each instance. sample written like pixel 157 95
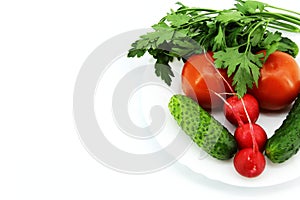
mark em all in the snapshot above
pixel 203 129
pixel 286 140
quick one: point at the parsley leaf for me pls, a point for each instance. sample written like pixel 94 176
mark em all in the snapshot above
pixel 230 59
pixel 136 52
pixel 246 74
pixel 219 40
pixel 251 7
pixel 244 66
pixel 177 19
pixel 288 46
pixel 229 16
pixel 164 71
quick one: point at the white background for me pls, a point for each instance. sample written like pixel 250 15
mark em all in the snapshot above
pixel 42 47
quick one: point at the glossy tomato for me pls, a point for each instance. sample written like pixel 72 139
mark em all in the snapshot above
pixel 201 80
pixel 279 82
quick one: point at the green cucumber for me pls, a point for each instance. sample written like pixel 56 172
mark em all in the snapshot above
pixel 286 140
pixel 203 129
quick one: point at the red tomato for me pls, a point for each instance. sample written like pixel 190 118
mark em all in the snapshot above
pixel 279 82
pixel 200 78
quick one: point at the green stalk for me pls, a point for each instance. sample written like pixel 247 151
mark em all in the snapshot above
pixel 290 16
pixel 285 26
pixel 251 32
pixel 284 29
pixel 197 21
pixel 282 9
pixel 206 14
pixel 279 16
pixel 196 9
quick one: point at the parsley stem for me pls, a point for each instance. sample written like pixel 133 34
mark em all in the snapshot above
pixel 278 16
pixel 282 9
pixel 284 29
pixel 251 32
pixel 197 9
pixel 205 15
pixel 284 26
pixel 290 16
pixel 199 20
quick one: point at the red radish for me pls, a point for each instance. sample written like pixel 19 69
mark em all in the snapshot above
pixel 249 163
pixel 251 138
pixel 235 109
pixel 243 136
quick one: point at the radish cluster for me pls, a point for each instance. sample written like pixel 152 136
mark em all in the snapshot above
pixel 251 138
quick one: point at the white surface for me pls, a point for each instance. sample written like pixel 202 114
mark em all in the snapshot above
pixel 42 46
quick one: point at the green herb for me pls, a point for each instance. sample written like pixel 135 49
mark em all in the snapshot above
pixel 235 36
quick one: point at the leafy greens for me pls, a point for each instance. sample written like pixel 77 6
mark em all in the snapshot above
pixel 234 35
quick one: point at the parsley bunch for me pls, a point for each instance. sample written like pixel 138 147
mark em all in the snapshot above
pixel 234 35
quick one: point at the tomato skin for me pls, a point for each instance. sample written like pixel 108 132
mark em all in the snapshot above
pixel 200 78
pixel 279 82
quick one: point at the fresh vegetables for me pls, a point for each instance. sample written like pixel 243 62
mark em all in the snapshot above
pixel 244 139
pixel 249 163
pixel 204 130
pixel 286 141
pixel 200 80
pixel 214 138
pixel 235 112
pixel 231 52
pixel 279 82
pixel 235 36
pixel 250 137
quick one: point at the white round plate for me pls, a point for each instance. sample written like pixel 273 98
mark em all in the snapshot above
pixel 139 107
